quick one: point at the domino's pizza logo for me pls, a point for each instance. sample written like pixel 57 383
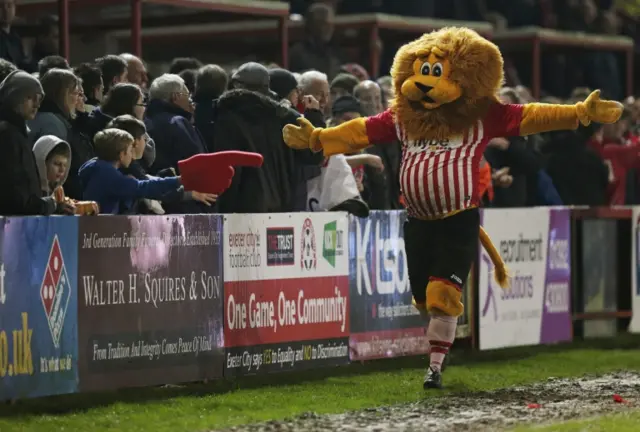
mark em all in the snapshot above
pixel 55 291
pixel 308 260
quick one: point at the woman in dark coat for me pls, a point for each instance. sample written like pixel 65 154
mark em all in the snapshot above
pixel 57 117
pixel 20 194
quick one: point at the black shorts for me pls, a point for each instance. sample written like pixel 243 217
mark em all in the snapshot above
pixel 441 248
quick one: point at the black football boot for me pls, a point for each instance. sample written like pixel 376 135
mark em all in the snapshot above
pixel 432 380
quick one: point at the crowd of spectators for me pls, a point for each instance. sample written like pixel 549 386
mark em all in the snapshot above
pixel 562 70
pixel 106 132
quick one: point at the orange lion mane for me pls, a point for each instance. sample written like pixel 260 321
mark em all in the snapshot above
pixel 476 65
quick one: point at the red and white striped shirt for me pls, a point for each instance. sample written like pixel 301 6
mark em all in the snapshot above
pixel 439 177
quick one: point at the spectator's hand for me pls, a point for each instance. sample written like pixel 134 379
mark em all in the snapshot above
pixel 501 172
pixel 502 178
pixel 205 198
pixel 167 172
pixel 65 208
pixel 80 103
pixel 309 102
pixel 598 135
pixel 299 137
pixel 499 143
pixel 374 161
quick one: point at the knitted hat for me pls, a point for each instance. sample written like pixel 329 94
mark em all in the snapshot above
pixel 282 82
pixel 252 76
pixel 17 86
pixel 345 82
pixel 345 104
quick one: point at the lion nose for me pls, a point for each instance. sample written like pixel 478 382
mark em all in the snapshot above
pixel 423 88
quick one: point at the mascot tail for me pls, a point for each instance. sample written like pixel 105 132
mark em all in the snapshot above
pixel 501 275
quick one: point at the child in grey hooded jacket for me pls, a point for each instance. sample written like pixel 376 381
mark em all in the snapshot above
pixel 53 158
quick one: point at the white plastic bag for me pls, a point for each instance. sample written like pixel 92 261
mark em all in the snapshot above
pixel 333 186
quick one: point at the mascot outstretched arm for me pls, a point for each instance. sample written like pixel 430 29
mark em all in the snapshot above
pixel 445 110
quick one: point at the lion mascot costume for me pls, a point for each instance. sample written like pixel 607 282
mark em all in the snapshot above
pixel 445 110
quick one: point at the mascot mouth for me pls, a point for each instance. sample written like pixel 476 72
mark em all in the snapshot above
pixel 417 105
pixel 425 103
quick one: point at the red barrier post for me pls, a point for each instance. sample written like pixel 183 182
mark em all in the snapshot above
pixel 63 23
pixel 136 27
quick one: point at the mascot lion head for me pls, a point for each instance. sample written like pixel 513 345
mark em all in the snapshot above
pixel 445 81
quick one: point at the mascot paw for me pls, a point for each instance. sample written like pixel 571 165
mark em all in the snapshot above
pixel 300 137
pixel 598 110
pixel 444 298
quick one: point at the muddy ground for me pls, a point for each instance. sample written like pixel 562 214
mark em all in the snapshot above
pixel 556 399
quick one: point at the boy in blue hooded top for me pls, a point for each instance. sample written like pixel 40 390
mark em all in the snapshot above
pixel 104 183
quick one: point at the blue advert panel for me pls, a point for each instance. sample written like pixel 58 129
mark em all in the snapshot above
pixel 38 306
pixel 384 323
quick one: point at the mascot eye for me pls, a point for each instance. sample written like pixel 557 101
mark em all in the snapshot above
pixel 437 70
pixel 425 69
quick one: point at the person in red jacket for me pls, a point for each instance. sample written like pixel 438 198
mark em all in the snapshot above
pixel 620 154
pixel 485 188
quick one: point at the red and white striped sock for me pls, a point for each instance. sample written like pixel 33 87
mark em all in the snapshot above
pixel 441 333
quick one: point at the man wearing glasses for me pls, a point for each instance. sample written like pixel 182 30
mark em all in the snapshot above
pixel 168 119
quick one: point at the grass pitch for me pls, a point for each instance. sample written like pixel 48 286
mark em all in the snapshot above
pixel 249 400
